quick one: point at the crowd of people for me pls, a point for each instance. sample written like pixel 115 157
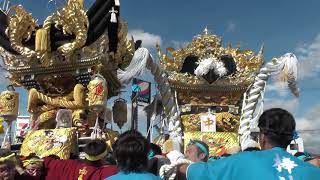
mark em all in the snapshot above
pixel 133 157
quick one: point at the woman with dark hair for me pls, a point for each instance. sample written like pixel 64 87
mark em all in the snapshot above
pixel 131 151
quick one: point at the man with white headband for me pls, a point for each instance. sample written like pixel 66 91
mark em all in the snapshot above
pixel 91 168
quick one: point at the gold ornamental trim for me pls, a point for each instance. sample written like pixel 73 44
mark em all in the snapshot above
pixel 226 88
pixel 206 46
pixel 46 142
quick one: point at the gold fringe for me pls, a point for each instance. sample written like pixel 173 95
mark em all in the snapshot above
pixel 81 2
pixel 42 40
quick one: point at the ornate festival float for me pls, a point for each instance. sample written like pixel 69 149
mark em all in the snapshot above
pixel 219 94
pixel 78 59
pixel 69 66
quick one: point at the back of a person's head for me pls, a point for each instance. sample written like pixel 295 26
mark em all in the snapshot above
pixel 252 149
pixel 32 156
pixel 95 150
pixel 131 151
pixel 53 156
pixel 278 126
pixel 155 149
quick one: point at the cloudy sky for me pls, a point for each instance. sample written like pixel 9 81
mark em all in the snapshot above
pixel 283 26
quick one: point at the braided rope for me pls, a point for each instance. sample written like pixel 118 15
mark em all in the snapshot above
pixel 169 171
pixel 168 98
pixel 35 96
pixel 142 60
pixel 286 64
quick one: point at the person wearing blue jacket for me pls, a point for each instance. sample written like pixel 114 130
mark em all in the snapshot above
pixel 277 127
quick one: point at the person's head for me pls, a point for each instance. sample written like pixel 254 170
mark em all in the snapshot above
pixel 53 156
pixel 154 150
pixel 7 165
pixel 277 127
pixel 252 149
pixel 96 151
pixel 302 156
pixel 130 152
pixel 33 166
pixel 197 151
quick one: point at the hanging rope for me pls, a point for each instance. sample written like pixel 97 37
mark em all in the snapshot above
pixel 142 60
pixel 153 117
pixel 169 171
pixel 286 66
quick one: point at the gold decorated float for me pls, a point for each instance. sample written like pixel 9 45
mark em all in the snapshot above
pixel 78 58
pixel 210 81
pixel 69 62
pixel 59 142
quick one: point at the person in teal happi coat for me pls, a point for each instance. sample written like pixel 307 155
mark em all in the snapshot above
pixel 131 153
pixel 271 163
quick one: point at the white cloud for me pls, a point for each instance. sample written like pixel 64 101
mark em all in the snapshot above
pixel 308 56
pixel 281 88
pixel 309 129
pixel 149 40
pixel 290 105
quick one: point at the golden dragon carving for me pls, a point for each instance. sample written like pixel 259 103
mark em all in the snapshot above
pixel 21 27
pixel 72 19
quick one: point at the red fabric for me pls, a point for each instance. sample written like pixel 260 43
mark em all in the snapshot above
pixel 74 170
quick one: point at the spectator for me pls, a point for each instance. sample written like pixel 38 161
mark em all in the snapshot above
pixel 197 151
pixel 130 152
pixel 156 159
pixel 33 166
pixel 91 168
pixel 7 165
pixel 272 162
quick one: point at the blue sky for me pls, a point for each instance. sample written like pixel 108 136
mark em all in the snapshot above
pixel 283 26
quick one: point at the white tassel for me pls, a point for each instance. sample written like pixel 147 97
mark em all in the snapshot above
pixel 220 69
pixel 204 67
pixel 136 67
pixel 117 3
pixel 208 64
pixel 113 15
pixel 97 132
